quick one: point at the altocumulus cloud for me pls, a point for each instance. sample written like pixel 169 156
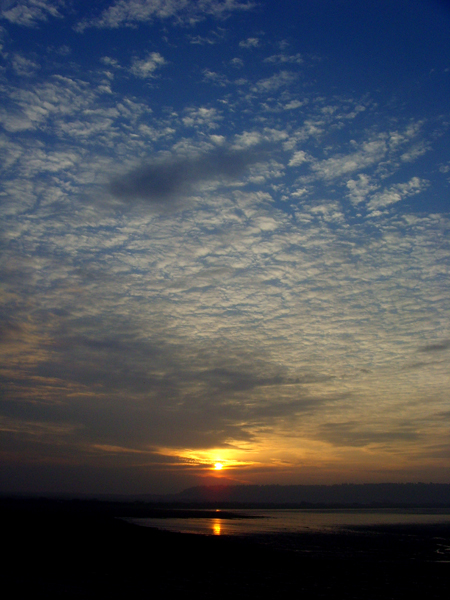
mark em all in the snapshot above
pixel 194 264
pixel 29 12
pixel 130 12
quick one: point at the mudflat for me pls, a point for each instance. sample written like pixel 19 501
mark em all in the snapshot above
pixel 83 551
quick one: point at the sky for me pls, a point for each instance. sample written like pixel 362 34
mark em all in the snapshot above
pixel 224 239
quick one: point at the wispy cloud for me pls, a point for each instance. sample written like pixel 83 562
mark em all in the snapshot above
pixel 368 154
pixel 29 12
pixel 351 434
pixel 23 66
pixel 251 42
pixel 276 81
pixel 284 58
pixel 396 193
pixel 130 12
pixel 213 38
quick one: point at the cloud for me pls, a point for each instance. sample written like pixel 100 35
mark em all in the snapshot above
pixel 31 106
pixel 415 152
pixel 164 181
pixel 214 38
pixel 213 327
pixel 146 67
pixel 368 154
pixel 202 116
pixel 284 58
pixel 237 62
pixel 155 392
pixel 359 435
pixel 299 158
pixel 437 347
pixel 8 331
pixel 293 104
pixel 270 84
pixel 396 193
pixel 250 42
pixel 30 12
pixel 215 78
pixel 23 66
pixel 270 317
pixel 360 188
pixel 131 12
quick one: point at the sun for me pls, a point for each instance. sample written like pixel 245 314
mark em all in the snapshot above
pixel 218 466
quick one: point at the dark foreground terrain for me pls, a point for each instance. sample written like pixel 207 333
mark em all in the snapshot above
pixel 81 550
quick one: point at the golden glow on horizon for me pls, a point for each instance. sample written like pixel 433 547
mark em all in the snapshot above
pixel 216 527
pixel 215 459
pixel 284 459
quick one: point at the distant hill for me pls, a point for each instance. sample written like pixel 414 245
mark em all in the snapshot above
pixel 368 494
pixel 388 495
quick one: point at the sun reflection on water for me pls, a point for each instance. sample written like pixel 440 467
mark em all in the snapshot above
pixel 216 526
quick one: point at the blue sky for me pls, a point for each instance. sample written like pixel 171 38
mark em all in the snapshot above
pixel 224 237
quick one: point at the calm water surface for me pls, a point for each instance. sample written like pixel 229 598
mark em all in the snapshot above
pixel 277 521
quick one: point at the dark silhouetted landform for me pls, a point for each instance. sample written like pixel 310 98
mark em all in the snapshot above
pixel 370 494
pixel 376 495
pixel 79 549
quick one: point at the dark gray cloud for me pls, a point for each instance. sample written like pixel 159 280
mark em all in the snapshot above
pixel 120 389
pixel 354 434
pixel 8 331
pixel 164 181
pixel 247 378
pixel 437 347
pixel 112 475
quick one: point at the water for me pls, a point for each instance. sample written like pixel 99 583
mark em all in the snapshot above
pixel 294 521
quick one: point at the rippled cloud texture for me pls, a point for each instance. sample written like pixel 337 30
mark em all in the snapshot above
pixel 224 237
